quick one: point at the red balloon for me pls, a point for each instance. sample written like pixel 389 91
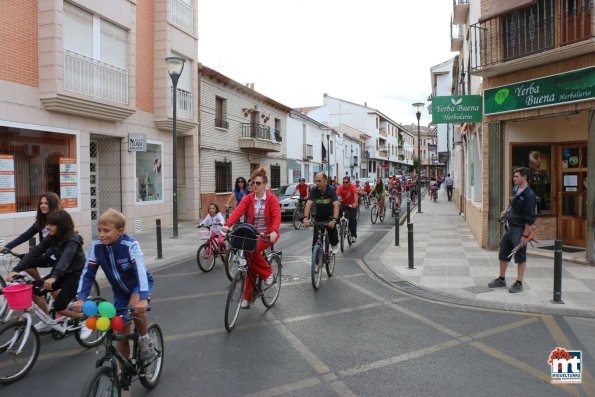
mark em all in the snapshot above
pixel 117 323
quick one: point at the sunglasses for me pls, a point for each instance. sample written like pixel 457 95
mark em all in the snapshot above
pixel 241 182
pixel 345 181
pixel 256 183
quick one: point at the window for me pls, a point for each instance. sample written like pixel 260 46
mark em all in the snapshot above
pixel 539 160
pixel 297 174
pixel 184 107
pixel 275 176
pixel 221 113
pixel 33 163
pixel 149 173
pixel 222 176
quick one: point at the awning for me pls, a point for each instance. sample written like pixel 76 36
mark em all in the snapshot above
pixel 502 7
pixel 293 165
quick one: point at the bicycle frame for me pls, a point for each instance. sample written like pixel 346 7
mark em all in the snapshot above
pixel 322 238
pixel 129 367
pixel 257 289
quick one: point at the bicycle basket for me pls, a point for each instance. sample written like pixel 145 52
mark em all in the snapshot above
pixel 244 238
pixel 18 296
pixel 204 234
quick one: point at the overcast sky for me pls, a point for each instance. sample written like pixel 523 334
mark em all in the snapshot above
pixel 294 51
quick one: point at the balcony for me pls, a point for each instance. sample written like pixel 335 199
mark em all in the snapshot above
pixel 308 152
pixel 257 138
pixel 460 11
pixel 184 103
pixel 355 161
pixel 531 36
pixel 456 37
pixel 366 154
pixel 382 131
pixel 182 15
pixel 383 153
pixel 221 124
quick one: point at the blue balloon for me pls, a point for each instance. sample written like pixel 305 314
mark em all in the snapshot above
pixel 90 308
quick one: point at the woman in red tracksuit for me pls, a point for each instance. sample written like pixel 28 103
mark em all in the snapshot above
pixel 264 213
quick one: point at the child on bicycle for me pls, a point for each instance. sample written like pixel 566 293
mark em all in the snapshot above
pixel 67 259
pixel 121 259
pixel 215 220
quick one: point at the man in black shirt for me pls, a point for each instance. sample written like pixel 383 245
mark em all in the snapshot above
pixel 327 208
pixel 519 218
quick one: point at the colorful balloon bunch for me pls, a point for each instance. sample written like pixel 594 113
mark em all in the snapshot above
pixel 105 320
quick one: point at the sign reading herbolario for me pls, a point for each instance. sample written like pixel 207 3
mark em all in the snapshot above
pixel 456 109
pixel 8 203
pixel 69 182
pixel 575 86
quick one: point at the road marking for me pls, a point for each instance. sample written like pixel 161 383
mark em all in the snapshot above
pixel 331 313
pixel 303 350
pixel 192 296
pixel 276 391
pixel 341 389
pixel 505 327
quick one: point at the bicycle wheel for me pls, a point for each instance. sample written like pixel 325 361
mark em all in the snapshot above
pixel 366 202
pixel 223 250
pixel 374 214
pixel 234 300
pixel 102 382
pixel 330 265
pixel 3 302
pixel 316 267
pixel 93 340
pixel 231 263
pixel 381 216
pixel 14 365
pixel 151 371
pixel 297 218
pixel 271 293
pixel 342 231
pixel 205 257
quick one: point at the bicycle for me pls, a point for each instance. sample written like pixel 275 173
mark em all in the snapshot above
pixel 394 201
pixel 434 192
pixel 344 230
pixel 366 200
pixel 19 340
pixel 9 260
pixel 267 293
pixel 375 213
pixel 298 214
pixel 121 371
pixel 209 251
pixel 321 256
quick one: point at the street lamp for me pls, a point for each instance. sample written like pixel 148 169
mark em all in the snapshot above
pixel 175 66
pixel 418 106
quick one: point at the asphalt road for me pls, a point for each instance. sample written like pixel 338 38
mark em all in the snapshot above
pixel 356 336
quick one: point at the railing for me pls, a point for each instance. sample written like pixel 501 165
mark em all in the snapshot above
pixel 277 134
pixel 528 31
pixel 382 131
pixel 257 131
pixel 456 32
pixel 91 77
pixel 308 151
pixel 221 124
pixel 182 15
pixel 183 103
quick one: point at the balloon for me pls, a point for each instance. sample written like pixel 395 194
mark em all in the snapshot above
pixel 106 309
pixel 90 308
pixel 91 322
pixel 103 323
pixel 117 323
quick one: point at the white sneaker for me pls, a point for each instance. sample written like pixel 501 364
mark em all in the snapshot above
pixel 147 350
pixel 245 304
pixel 85 332
pixel 353 239
pixel 42 326
pixel 269 281
pixel 335 249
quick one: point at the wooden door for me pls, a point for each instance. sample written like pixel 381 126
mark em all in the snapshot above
pixel 572 194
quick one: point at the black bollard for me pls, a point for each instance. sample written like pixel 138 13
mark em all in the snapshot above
pixel 557 272
pixel 158 231
pixel 408 210
pixel 32 243
pixel 396 214
pixel 410 244
pixel 226 213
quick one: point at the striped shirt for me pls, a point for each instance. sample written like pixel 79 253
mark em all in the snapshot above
pixel 259 219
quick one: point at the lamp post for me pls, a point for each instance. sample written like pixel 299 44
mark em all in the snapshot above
pixel 175 66
pixel 418 106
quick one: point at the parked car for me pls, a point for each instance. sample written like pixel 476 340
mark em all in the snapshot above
pixel 287 202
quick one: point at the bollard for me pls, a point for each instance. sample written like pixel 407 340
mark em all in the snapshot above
pixel 410 244
pixel 226 213
pixel 32 243
pixel 158 231
pixel 408 210
pixel 396 214
pixel 557 272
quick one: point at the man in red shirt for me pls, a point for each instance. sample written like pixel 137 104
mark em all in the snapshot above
pixel 304 190
pixel 347 193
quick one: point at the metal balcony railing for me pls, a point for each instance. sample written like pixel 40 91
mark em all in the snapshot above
pixel 183 103
pixel 95 78
pixel 182 15
pixel 308 151
pixel 221 124
pixel 257 131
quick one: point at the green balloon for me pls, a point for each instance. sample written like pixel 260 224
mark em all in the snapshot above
pixel 106 309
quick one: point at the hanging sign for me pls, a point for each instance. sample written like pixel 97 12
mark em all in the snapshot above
pixel 69 182
pixel 456 109
pixel 8 203
pixel 137 142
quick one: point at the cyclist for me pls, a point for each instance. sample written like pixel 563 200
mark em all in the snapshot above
pixel 264 213
pixel 304 190
pixel 121 259
pixel 215 219
pixel 434 185
pixel 239 191
pixel 68 260
pixel 347 194
pixel 327 209
pixel 395 194
pixel 379 191
pixel 367 188
pixel 360 191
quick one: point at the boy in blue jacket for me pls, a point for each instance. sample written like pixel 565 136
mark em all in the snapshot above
pixel 121 259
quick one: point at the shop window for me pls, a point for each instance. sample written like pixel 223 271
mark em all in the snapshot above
pixel 33 163
pixel 149 173
pixel 275 176
pixel 222 176
pixel 539 160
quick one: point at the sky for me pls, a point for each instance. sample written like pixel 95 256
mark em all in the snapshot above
pixel 377 52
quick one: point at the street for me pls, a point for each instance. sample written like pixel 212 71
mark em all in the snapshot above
pixel 356 336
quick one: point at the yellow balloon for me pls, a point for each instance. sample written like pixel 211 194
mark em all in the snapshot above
pixel 103 323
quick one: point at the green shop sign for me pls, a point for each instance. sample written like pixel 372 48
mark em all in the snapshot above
pixel 575 86
pixel 456 109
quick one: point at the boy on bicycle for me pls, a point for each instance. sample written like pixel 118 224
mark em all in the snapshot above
pixel 304 190
pixel 347 194
pixel 122 261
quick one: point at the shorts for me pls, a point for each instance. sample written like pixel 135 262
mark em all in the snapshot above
pixel 121 301
pixel 511 239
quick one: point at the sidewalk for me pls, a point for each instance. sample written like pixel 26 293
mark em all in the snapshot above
pixel 451 266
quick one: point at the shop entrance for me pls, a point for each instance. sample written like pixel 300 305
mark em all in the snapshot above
pixel 572 194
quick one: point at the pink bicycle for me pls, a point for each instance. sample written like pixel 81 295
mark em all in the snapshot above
pixel 210 250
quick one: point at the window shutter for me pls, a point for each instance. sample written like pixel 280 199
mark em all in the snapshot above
pixel 114 45
pixel 78 30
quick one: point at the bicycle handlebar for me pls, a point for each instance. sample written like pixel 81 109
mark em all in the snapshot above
pixel 8 251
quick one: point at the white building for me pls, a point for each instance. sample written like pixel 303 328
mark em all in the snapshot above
pixel 304 147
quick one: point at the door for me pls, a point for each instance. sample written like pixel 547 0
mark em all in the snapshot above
pixel 572 194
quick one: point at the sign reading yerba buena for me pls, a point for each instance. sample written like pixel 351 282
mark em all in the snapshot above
pixel 575 86
pixel 456 109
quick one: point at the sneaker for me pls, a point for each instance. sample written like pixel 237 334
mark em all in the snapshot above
pixel 353 239
pixel 147 350
pixel 42 326
pixel 269 281
pixel 85 332
pixel 245 304
pixel 516 287
pixel 497 283
pixel 335 249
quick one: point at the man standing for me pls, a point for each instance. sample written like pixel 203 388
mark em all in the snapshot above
pixel 347 194
pixel 519 219
pixel 449 185
pixel 327 209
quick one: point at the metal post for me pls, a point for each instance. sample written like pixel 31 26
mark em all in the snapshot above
pixel 227 213
pixel 557 272
pixel 397 215
pixel 418 115
pixel 158 231
pixel 408 210
pixel 175 166
pixel 410 244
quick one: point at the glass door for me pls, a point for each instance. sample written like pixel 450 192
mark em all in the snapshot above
pixel 572 194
